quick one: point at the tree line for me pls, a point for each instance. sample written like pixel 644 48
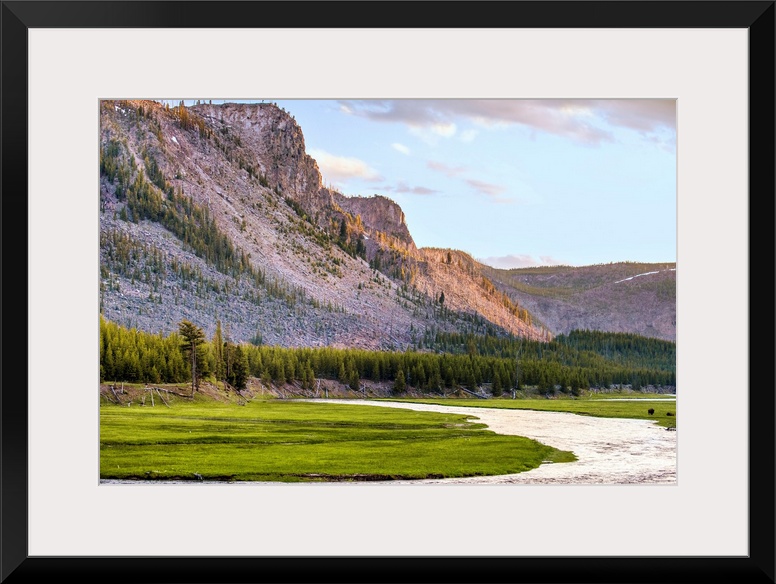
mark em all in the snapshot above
pixel 592 349
pixel 187 355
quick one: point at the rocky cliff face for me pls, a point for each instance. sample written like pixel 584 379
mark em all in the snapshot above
pixel 273 142
pixel 378 214
pixel 217 213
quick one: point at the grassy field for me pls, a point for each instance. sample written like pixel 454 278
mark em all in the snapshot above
pixel 292 441
pixel 668 397
pixel 664 415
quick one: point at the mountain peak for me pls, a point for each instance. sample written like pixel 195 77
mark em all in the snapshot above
pixel 217 213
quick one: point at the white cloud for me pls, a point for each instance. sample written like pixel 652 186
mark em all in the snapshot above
pixel 404 188
pixel 337 168
pixel 589 121
pixel 445 169
pixel 481 187
pixel 429 135
pixel 446 130
pixel 401 148
pixel 488 189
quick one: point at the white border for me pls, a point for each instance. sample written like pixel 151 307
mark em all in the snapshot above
pixel 705 515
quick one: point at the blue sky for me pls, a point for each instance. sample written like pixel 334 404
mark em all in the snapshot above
pixel 514 183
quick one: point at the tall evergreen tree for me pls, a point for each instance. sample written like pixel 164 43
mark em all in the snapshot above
pixel 238 373
pixel 218 351
pixel 193 337
pixel 399 383
pixel 496 387
pixel 343 233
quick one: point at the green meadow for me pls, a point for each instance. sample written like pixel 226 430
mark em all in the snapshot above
pixel 664 410
pixel 295 441
pixel 666 397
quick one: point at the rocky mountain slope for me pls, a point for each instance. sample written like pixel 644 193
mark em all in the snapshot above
pixel 217 213
pixel 618 297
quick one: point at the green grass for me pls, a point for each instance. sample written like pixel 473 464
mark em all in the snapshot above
pixel 293 441
pixel 633 395
pixel 636 409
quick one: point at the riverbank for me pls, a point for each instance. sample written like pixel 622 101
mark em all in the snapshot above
pixel 610 451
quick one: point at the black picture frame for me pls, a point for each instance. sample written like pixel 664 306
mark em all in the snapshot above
pixel 756 16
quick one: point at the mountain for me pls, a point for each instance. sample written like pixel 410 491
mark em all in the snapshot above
pixel 217 213
pixel 624 297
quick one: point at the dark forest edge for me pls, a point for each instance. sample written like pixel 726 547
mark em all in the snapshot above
pixel 442 363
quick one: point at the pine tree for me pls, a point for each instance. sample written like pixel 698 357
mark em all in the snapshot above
pixel 343 231
pixel 218 351
pixel 399 384
pixel 375 370
pixel 496 386
pixel 193 337
pixel 238 374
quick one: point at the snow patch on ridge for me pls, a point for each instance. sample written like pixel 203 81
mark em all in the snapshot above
pixel 644 274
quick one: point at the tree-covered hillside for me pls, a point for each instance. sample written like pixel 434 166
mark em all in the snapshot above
pixel 496 365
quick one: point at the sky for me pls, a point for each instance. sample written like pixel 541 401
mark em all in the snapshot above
pixel 514 183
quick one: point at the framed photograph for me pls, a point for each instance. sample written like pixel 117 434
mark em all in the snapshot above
pixel 714 59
